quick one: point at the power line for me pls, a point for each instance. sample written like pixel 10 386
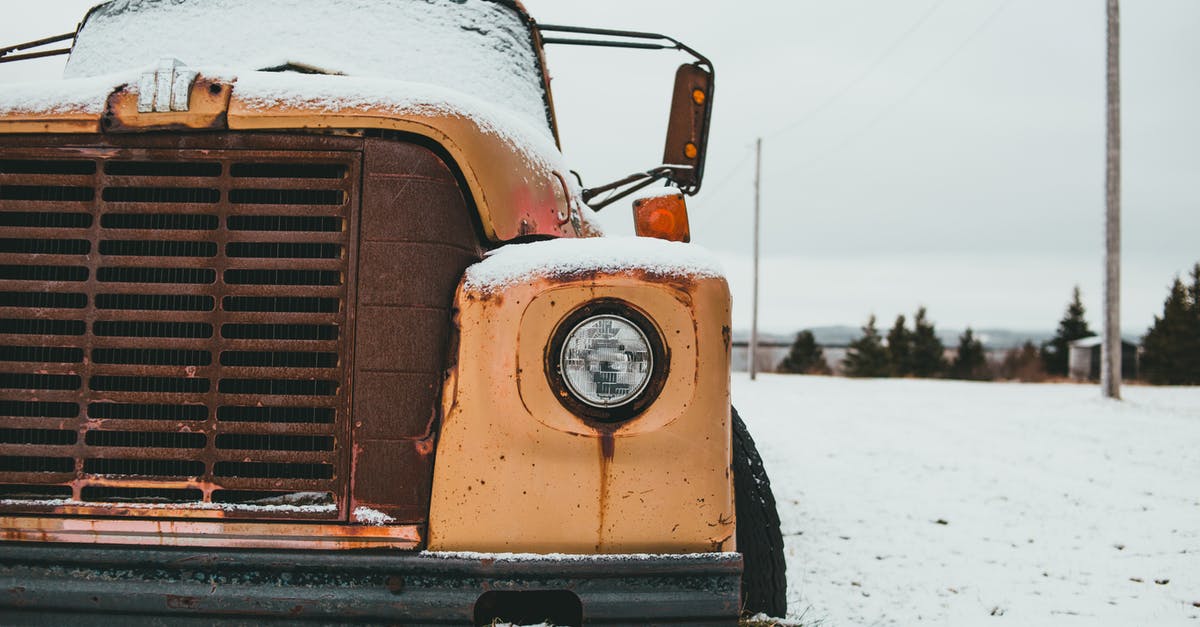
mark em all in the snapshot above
pixel 861 130
pixel 713 191
pixel 871 67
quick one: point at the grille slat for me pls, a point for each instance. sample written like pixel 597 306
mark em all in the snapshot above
pixel 268 171
pixel 288 197
pixel 183 313
pixel 154 222
pixel 43 354
pixel 277 414
pixel 44 437
pixel 141 274
pixel 145 439
pixel 30 246
pixel 152 356
pixel 148 173
pixel 145 467
pixel 46 193
pixel 155 302
pixel 58 167
pixel 41 326
pixel 48 223
pixel 46 273
pixel 39 409
pixel 268 460
pixel 148 411
pixel 162 195
pixel 161 248
pixel 43 300
pixel 17 463
pixel 100 494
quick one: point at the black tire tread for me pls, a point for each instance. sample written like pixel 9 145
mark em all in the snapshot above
pixel 759 539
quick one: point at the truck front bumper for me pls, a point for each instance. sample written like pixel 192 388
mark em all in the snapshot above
pixel 78 583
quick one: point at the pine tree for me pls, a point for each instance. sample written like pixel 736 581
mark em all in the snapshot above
pixel 805 356
pixel 899 346
pixel 971 360
pixel 928 353
pixel 1073 326
pixel 1194 290
pixel 866 356
pixel 1172 345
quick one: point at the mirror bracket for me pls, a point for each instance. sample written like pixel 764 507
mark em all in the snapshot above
pixel 621 188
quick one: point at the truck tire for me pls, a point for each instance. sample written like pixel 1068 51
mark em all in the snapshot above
pixel 764 576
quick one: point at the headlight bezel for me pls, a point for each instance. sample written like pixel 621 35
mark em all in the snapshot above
pixel 659 368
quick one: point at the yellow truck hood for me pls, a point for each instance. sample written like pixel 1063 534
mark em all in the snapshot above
pixel 515 171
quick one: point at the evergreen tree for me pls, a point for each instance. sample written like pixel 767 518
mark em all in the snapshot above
pixel 971 360
pixel 928 353
pixel 899 346
pixel 866 356
pixel 1194 290
pixel 1023 364
pixel 1172 345
pixel 805 356
pixel 1073 326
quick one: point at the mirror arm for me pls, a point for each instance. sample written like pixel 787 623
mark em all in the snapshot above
pixel 6 55
pixel 675 44
pixel 635 181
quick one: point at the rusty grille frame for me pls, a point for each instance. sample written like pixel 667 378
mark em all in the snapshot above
pixel 178 379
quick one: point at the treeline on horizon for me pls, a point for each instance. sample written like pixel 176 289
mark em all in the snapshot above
pixel 1170 352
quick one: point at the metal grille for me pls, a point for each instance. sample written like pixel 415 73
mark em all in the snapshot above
pixel 173 330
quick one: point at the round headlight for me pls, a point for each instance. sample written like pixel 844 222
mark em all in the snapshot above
pixel 606 361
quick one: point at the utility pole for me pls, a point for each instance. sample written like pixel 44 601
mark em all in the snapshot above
pixel 754 316
pixel 1110 368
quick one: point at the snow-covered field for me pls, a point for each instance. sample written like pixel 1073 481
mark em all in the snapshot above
pixel 952 503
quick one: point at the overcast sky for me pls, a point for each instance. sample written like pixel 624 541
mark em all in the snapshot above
pixel 935 152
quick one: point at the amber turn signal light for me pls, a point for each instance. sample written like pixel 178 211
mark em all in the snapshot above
pixel 663 216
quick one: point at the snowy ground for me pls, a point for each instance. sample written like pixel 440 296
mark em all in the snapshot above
pixel 954 503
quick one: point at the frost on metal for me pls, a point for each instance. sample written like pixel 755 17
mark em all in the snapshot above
pixel 518 263
pixel 478 48
pixel 337 94
pixel 368 516
pixel 654 192
pixel 86 95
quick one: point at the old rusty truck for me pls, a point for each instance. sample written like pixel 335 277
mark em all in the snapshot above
pixel 302 318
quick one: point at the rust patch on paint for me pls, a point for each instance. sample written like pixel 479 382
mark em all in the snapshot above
pixel 208 107
pixel 607 449
pixel 209 533
pixel 607 445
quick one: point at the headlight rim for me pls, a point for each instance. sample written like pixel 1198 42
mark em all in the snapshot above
pixel 660 361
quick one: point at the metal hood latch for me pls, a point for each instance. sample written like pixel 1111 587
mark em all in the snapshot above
pixel 167 88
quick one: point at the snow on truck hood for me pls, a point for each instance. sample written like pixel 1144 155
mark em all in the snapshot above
pixel 316 93
pixel 518 263
pixel 476 47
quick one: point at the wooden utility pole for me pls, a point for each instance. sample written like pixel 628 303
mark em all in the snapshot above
pixel 754 315
pixel 1110 368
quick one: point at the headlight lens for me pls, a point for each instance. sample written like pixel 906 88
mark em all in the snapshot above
pixel 606 361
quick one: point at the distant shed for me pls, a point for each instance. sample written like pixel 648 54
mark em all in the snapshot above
pixel 1083 359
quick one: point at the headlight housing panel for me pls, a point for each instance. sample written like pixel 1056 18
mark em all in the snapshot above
pixel 606 361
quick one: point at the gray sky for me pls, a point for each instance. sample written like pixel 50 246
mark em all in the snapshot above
pixel 936 152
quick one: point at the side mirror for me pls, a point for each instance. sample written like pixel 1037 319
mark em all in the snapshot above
pixel 687 129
